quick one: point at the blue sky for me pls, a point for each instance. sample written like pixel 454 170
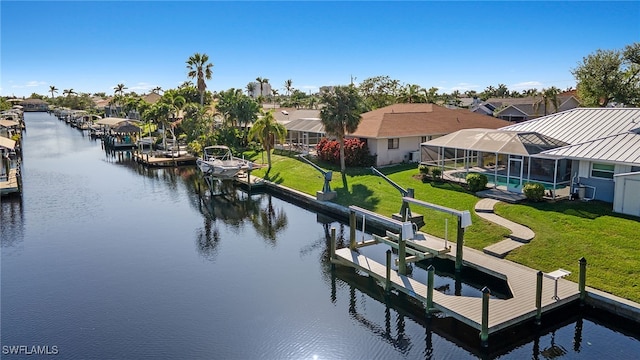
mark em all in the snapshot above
pixel 91 46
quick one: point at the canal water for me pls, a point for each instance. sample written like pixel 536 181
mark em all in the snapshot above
pixel 102 258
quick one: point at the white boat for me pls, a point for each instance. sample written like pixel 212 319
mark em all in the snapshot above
pixel 218 161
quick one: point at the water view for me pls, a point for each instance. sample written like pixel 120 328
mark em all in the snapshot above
pixel 103 258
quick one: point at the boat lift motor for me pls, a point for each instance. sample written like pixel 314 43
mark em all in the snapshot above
pixel 405 211
pixel 326 193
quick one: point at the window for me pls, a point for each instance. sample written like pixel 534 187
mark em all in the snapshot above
pixel 394 143
pixel 603 171
pixel 425 139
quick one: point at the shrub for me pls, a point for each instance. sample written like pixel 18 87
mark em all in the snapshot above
pixel 533 191
pixel 424 169
pixel 194 147
pixel 477 182
pixel 356 152
pixel 436 173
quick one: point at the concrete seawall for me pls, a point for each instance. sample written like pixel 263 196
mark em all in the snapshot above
pixel 599 299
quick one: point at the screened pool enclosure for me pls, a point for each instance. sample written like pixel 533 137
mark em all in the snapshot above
pixel 509 159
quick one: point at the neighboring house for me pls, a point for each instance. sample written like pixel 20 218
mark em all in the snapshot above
pixel 304 128
pixel 594 152
pixel 527 108
pixel 394 133
pixel 34 105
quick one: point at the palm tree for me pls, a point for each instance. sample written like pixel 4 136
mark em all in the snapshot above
pixel 119 89
pixel 262 81
pixel 156 90
pixel 266 129
pixel 200 69
pixel 68 92
pixel 251 89
pixel 410 94
pixel 288 85
pixel 52 90
pixel 341 114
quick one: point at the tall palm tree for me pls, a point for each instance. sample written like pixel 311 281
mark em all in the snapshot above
pixel 262 82
pixel 68 92
pixel 200 69
pixel 288 85
pixel 119 89
pixel 341 114
pixel 156 90
pixel 410 94
pixel 52 90
pixel 266 129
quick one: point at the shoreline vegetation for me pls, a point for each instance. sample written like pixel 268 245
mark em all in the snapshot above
pixel 565 230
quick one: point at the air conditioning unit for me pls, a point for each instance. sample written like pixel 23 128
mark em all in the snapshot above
pixel 414 156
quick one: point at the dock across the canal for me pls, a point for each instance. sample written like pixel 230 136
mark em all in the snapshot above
pixel 533 293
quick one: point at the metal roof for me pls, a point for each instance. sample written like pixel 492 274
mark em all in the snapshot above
pixel 620 148
pixel 580 125
pixel 497 141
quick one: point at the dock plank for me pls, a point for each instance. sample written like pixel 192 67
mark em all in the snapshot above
pixel 502 312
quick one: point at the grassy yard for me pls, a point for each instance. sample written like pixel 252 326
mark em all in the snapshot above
pixel 565 231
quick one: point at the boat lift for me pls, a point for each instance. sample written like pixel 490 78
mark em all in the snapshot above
pixel 405 210
pixel 326 193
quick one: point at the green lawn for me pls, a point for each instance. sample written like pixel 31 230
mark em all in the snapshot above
pixel 565 230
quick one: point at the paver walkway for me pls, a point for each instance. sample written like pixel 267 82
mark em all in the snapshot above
pixel 520 234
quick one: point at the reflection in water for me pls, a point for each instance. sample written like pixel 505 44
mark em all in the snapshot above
pixel 11 221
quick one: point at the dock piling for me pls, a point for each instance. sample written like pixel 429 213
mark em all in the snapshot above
pixel 484 333
pixel 459 245
pixel 539 298
pixel 387 285
pixel 430 274
pixel 352 229
pixel 582 280
pixel 402 255
pixel 333 247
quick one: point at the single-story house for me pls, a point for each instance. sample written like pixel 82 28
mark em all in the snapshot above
pixel 525 108
pixel 394 133
pixel 593 152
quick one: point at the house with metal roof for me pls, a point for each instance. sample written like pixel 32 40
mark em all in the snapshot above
pixel 394 133
pixel 594 152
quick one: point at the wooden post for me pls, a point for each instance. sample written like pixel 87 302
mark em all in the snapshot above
pixel 387 285
pixel 352 230
pixel 582 280
pixel 484 333
pixel 430 272
pixel 539 298
pixel 459 245
pixel 333 247
pixel 402 255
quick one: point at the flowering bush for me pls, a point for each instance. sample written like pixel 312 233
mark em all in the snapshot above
pixel 356 152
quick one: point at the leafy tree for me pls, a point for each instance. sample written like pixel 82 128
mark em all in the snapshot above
pixel 610 76
pixel 341 114
pixel 53 90
pixel 266 129
pixel 379 91
pixel 200 69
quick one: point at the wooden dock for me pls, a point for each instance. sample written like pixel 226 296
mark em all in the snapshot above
pixel 10 185
pixel 502 313
pixel 163 161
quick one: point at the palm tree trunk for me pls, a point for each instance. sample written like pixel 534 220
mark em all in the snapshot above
pixel 342 164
